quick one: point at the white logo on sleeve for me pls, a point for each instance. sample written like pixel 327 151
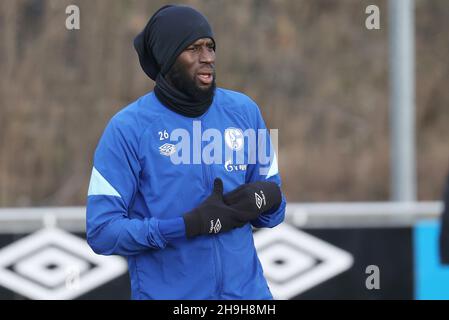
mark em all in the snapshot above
pixel 167 149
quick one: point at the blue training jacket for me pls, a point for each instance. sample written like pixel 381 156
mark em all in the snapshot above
pixel 138 195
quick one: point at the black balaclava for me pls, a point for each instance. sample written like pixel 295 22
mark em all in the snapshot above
pixel 170 30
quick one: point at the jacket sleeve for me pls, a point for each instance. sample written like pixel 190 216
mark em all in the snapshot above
pixel 113 186
pixel 265 167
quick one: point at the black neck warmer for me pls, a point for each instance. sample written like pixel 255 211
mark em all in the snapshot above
pixel 178 101
pixel 170 30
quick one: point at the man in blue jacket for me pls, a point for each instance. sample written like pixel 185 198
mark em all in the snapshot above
pixel 182 174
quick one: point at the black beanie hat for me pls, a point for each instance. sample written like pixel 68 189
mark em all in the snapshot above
pixel 170 30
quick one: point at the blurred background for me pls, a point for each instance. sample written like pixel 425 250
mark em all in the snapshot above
pixel 318 74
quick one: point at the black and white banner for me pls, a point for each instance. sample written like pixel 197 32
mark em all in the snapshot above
pixel 372 263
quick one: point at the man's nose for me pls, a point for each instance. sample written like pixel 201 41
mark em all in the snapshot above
pixel 207 55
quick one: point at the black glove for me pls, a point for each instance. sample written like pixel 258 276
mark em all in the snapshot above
pixel 214 215
pixel 258 197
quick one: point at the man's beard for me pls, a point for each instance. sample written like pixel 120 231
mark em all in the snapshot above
pixel 181 80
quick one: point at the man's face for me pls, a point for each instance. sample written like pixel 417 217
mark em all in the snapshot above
pixel 194 70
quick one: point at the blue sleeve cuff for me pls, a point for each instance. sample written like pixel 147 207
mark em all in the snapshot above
pixel 172 229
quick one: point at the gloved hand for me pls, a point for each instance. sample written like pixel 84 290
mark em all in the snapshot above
pixel 214 215
pixel 258 197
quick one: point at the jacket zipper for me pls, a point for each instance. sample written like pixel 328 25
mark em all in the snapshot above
pixel 210 184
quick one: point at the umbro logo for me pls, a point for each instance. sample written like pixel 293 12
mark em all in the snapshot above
pixel 215 228
pixel 52 264
pixel 260 200
pixel 294 261
pixel 167 149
